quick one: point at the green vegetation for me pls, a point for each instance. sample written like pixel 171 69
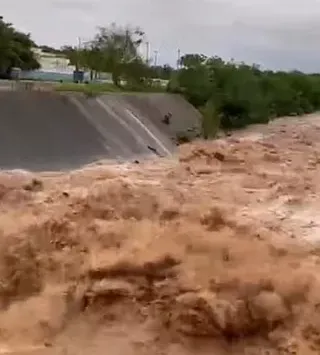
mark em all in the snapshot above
pixel 229 95
pixel 90 88
pixel 96 88
pixel 115 50
pixel 233 95
pixel 15 50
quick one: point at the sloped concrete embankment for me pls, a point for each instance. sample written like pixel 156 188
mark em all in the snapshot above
pixel 50 131
pixel 185 119
pixel 138 119
pixel 127 133
pixel 45 131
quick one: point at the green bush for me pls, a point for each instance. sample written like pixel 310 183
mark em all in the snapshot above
pixel 211 120
pixel 233 96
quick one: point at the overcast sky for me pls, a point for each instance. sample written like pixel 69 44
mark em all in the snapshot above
pixel 274 33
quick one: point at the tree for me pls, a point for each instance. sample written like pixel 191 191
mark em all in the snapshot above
pixel 115 49
pixel 15 49
pixel 192 60
pixel 161 72
pixel 235 95
pixel 74 54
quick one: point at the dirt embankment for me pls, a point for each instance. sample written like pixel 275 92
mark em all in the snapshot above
pixel 211 254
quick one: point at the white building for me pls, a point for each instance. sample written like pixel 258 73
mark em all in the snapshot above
pixel 51 62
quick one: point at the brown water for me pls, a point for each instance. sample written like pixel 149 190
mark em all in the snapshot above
pixel 213 254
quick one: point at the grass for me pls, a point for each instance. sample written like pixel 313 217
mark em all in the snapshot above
pixel 90 89
pixel 94 89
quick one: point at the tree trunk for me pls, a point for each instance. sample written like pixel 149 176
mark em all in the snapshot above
pixel 116 78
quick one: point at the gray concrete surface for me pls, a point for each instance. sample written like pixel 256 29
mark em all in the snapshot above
pixel 6 85
pixel 185 118
pixel 45 131
pixel 51 131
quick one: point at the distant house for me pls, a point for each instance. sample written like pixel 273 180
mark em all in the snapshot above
pixel 54 67
pixel 53 62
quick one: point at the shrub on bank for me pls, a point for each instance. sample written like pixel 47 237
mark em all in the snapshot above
pixel 243 94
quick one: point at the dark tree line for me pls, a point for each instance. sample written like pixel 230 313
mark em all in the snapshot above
pixel 234 95
pixel 15 50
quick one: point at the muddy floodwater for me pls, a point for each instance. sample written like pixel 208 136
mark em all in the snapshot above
pixel 215 251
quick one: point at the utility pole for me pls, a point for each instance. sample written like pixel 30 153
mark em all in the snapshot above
pixel 179 56
pixel 77 54
pixel 147 52
pixel 156 58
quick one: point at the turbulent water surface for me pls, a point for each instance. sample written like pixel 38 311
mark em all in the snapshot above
pixel 215 252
